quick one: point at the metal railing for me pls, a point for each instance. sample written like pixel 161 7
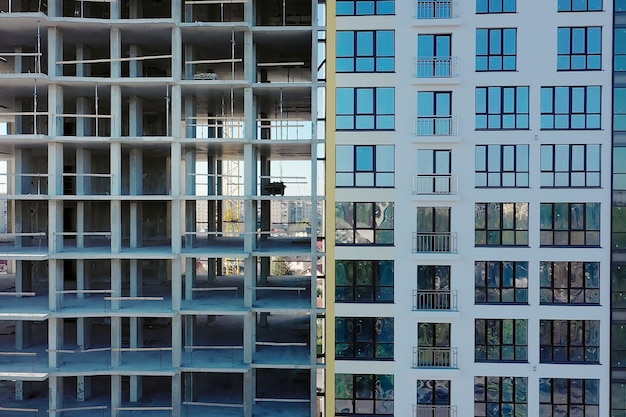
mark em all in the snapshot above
pixel 436 67
pixel 427 410
pixel 435 300
pixel 436 126
pixel 442 242
pixel 435 184
pixel 434 9
pixel 434 357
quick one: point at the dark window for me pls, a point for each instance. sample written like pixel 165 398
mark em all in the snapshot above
pixel 364 281
pixel 365 51
pixel 365 165
pixel 501 224
pixel 433 229
pixel 579 48
pixel 570 166
pixel 430 394
pixel 580 5
pixel 363 395
pixel 569 282
pixel 364 223
pixel 495 6
pixel 570 224
pixel 365 7
pixel 500 396
pixel 433 288
pixel 499 340
pixel 570 107
pixel 569 397
pixel 573 341
pixel 502 108
pixel 501 166
pixel 364 338
pixel 434 113
pixel 496 49
pixel 367 108
pixel 501 282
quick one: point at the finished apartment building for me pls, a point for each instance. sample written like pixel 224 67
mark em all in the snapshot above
pixel 479 247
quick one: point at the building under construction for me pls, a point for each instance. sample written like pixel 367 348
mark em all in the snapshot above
pixel 145 142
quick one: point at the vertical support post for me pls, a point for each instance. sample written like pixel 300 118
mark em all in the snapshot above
pixel 55 400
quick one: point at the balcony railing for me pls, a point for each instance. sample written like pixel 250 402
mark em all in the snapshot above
pixel 445 300
pixel 434 357
pixel 443 242
pixel 427 410
pixel 436 126
pixel 434 9
pixel 435 184
pixel 435 67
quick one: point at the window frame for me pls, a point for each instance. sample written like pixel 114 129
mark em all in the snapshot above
pixel 355 172
pixel 592 119
pixel 551 226
pixel 484 7
pixel 572 53
pixel 548 348
pixel 484 293
pixel 514 398
pixel 355 3
pixel 500 54
pixel 550 167
pixel 431 400
pixel 380 398
pixel 549 293
pixel 551 399
pixel 354 341
pixel 355 111
pixel 518 232
pixel 376 57
pixel 562 3
pixel 378 233
pixel 501 175
pixel 517 347
pixel 353 269
pixel 488 113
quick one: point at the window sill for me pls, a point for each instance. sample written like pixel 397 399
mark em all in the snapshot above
pixel 563 129
pixel 571 246
pixel 486 187
pixel 499 361
pixel 501 304
pixel 487 129
pixel 502 246
pixel 571 304
pixel 566 187
pixel 570 363
pixel 579 70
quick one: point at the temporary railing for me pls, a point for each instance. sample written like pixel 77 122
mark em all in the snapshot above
pixel 106 189
pixel 223 127
pixel 435 67
pixel 106 131
pixel 36 62
pixel 214 355
pixel 436 126
pixel 435 184
pixel 215 2
pixel 434 357
pixel 39 118
pixel 38 183
pixel 442 242
pixel 19 410
pixel 435 300
pixel 284 129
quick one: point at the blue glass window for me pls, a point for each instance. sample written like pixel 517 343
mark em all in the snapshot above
pixel 496 49
pixel 580 5
pixel 495 6
pixel 502 108
pixel 433 56
pixel 365 51
pixel 570 224
pixel 579 48
pixel 365 165
pixel 568 165
pixel 365 7
pixel 620 50
pixel 501 166
pixel 570 107
pixel 434 113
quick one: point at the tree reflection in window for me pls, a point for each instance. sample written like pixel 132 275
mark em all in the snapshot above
pixel 364 337
pixel 364 223
pixel 364 394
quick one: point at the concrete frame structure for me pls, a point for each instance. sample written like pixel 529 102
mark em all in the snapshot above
pixel 122 118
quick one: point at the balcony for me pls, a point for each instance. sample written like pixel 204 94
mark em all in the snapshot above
pixel 434 357
pixel 440 300
pixel 437 184
pixel 434 9
pixel 438 242
pixel 436 67
pixel 436 126
pixel 427 410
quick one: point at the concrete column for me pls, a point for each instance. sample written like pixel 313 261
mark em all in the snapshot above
pixel 55 284
pixel 190 277
pixel 177 337
pixel 116 282
pixel 177 210
pixel 116 111
pixel 177 402
pixel 249 391
pixel 249 336
pixel 80 224
pixel 249 60
pixel 55 51
pixel 83 388
pixel 176 283
pixel 17 65
pixel 176 45
pixel 190 386
pixel 83 166
pixel 23 283
pixel 116 190
pixel 116 394
pixel 116 13
pixel 136 278
pixel 55 397
pixel 135 67
pixel 135 116
pixel 83 125
pixel 249 189
pixel 189 56
pixel 190 205
pixel 83 332
pixel 80 277
pixel 116 342
pixel 116 52
pixel 55 342
pixel 136 388
pixel 136 10
pixel 55 107
pixel 22 390
pixel 23 332
pixel 82 52
pixel 136 188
